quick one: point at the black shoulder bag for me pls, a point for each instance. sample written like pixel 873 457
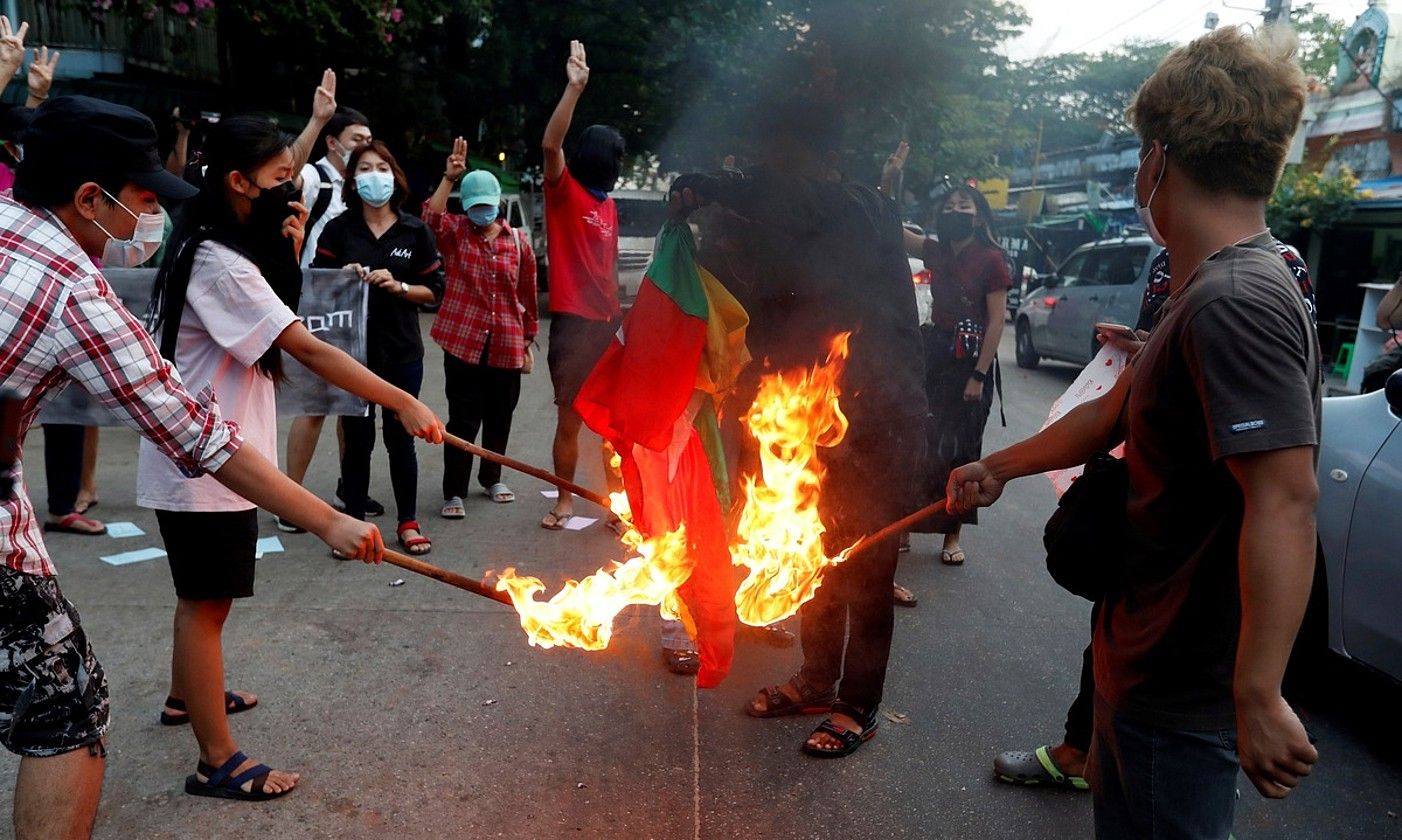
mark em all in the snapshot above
pixel 1087 536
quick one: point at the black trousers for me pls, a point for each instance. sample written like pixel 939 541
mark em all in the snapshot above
pixel 1080 718
pixel 399 444
pixel 479 397
pixel 63 465
pixel 847 627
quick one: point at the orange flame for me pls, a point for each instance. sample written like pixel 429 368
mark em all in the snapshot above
pixel 581 614
pixel 780 533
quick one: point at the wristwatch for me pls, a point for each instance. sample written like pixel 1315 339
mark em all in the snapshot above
pixel 403 288
pixel 978 376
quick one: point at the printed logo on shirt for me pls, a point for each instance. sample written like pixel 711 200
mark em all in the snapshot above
pixel 1248 426
pixel 596 220
pixel 402 253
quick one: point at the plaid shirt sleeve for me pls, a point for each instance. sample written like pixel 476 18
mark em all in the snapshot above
pixel 104 348
pixel 526 289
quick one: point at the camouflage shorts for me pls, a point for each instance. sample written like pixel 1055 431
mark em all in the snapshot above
pixel 53 693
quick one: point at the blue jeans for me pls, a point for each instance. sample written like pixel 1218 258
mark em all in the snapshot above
pixel 1165 784
pixel 360 443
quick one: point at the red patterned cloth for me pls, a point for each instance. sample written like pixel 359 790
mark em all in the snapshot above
pixel 490 293
pixel 62 323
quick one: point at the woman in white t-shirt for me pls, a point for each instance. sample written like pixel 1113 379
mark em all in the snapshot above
pixel 224 308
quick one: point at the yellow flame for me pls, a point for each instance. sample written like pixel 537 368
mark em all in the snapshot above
pixel 780 535
pixel 581 614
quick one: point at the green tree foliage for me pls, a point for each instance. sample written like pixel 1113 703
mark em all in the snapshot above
pixel 678 77
pixel 1076 98
pixel 1320 39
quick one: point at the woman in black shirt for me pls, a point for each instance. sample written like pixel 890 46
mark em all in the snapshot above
pixel 396 255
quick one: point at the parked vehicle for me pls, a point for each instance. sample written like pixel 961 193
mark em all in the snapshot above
pixel 1099 282
pixel 641 214
pixel 1360 493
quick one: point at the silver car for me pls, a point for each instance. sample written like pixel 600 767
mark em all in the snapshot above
pixel 1357 604
pixel 1099 282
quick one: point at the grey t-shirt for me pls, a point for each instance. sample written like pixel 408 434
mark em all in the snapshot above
pixel 1232 368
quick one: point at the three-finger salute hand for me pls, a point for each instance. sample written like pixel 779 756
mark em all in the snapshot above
pixel 11 46
pixel 577 67
pixel 457 159
pixel 324 101
pixel 41 72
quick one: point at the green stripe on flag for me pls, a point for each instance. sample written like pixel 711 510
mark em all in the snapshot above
pixel 673 270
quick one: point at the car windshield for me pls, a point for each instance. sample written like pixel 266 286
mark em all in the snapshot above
pixel 640 216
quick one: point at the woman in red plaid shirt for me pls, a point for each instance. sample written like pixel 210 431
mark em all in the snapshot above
pixel 487 319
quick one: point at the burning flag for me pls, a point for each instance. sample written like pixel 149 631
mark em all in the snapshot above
pixel 652 396
pixel 780 533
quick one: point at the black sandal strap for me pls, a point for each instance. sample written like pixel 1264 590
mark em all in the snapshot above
pixel 807 692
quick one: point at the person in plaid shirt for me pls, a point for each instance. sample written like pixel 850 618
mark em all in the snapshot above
pixel 88 188
pixel 487 321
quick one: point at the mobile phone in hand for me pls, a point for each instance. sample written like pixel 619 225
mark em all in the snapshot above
pixel 1119 330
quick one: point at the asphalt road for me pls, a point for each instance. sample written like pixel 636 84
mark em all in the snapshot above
pixel 419 710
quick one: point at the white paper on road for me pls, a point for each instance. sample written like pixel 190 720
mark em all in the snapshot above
pixel 267 545
pixel 1095 381
pixel 121 530
pixel 132 556
pixel 550 494
pixel 578 523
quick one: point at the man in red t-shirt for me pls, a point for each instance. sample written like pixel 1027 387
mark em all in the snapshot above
pixel 581 224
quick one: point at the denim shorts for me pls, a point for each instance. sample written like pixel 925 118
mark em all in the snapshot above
pixel 53 692
pixel 1150 781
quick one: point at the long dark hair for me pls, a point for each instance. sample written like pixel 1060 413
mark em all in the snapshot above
pixel 236 144
pixel 983 218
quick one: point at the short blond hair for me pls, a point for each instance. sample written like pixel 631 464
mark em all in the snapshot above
pixel 1227 107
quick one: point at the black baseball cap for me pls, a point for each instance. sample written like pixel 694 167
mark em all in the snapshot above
pixel 124 139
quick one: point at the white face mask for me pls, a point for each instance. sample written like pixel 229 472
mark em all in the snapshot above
pixel 1146 215
pixel 145 239
pixel 342 153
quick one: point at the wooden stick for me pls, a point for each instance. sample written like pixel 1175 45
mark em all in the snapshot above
pixel 522 466
pixel 417 566
pixel 896 527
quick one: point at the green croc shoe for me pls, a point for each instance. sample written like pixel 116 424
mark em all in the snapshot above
pixel 1018 767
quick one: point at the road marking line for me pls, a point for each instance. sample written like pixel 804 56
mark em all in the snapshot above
pixel 695 762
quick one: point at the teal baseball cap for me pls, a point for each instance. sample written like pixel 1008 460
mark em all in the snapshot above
pixel 479 187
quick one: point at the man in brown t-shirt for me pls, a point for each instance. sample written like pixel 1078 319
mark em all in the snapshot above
pixel 1220 419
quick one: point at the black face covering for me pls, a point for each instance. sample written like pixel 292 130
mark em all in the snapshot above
pixel 955 227
pixel 270 208
pixel 597 158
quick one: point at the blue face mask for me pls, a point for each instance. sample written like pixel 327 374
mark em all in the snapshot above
pixel 375 188
pixel 483 214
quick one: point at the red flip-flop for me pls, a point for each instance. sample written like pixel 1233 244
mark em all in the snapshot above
pixel 416 546
pixel 76 523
